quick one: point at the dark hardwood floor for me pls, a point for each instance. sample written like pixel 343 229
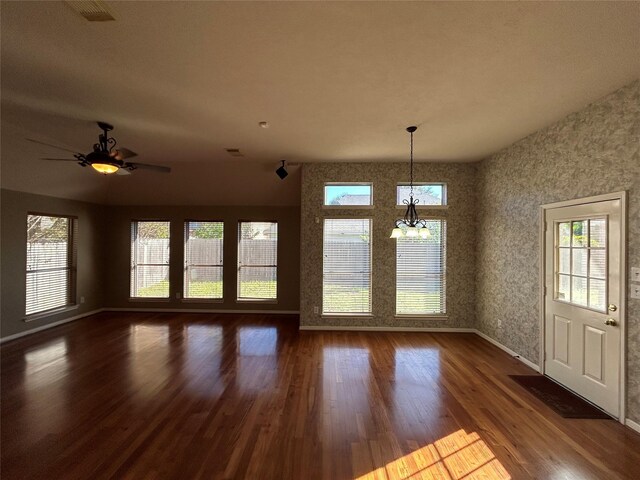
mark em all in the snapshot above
pixel 162 396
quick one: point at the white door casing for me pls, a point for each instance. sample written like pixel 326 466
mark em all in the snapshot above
pixel 584 300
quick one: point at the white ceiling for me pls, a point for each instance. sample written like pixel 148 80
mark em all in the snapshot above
pixel 337 81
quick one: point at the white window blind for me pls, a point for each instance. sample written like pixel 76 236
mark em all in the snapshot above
pixel 203 254
pixel 421 272
pixel 346 269
pixel 51 254
pixel 257 260
pixel 150 259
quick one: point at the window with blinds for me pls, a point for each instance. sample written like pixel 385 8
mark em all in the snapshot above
pixel 51 263
pixel 149 259
pixel 257 260
pixel 203 252
pixel 346 268
pixel 421 272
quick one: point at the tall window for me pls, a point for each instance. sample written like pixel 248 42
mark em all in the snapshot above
pixel 51 263
pixel 257 260
pixel 150 259
pixel 420 272
pixel 346 269
pixel 203 259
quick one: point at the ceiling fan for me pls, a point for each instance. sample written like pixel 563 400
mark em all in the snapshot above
pixel 105 158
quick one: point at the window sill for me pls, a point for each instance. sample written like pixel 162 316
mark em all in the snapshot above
pixel 348 207
pixel 424 207
pixel 202 300
pixel 257 300
pixel 149 299
pixel 40 315
pixel 347 315
pixel 422 317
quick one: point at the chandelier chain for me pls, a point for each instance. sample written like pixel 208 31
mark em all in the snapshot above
pixel 411 168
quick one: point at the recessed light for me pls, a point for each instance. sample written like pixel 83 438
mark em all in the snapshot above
pixel 263 124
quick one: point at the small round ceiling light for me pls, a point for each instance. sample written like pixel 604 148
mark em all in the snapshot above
pixel 264 124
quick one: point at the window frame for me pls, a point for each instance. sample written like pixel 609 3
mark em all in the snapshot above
pixel 347 207
pixel 133 264
pixel 368 314
pixel 445 200
pixel 71 267
pixel 443 301
pixel 240 299
pixel 185 266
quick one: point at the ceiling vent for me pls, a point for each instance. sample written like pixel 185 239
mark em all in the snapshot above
pixel 92 10
pixel 234 152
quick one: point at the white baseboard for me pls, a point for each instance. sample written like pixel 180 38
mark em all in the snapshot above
pixel 632 425
pixel 515 355
pixel 50 325
pixel 200 310
pixel 357 328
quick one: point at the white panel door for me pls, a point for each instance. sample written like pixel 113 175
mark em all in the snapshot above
pixel 582 300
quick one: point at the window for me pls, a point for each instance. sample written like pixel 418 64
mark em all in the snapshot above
pixel 420 272
pixel 427 194
pixel 150 259
pixel 257 260
pixel 203 259
pixel 348 195
pixel 346 268
pixel 581 262
pixel 51 262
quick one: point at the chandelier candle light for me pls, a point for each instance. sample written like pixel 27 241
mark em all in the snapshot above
pixel 410 225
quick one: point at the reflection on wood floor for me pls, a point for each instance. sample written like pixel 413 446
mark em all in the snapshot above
pixel 162 396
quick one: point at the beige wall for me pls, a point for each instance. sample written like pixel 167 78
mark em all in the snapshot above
pixel 90 275
pixel 591 152
pixel 461 230
pixel 119 238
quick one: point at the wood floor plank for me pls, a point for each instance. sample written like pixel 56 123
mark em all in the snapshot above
pixel 213 396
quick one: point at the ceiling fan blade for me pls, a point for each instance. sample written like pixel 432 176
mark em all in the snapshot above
pixel 54 146
pixel 123 171
pixel 62 159
pixel 125 153
pixel 146 166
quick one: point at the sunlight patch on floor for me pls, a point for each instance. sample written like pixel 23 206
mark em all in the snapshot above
pixel 459 456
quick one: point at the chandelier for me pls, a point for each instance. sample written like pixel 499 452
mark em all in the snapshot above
pixel 410 225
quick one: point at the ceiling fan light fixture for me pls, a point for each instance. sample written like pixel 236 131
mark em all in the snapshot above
pixel 105 168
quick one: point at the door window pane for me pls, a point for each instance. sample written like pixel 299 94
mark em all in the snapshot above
pixel 581 263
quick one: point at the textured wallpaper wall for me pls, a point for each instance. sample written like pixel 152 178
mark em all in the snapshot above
pixel 591 152
pixel 461 233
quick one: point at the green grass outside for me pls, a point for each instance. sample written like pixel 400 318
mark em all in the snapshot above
pixel 212 290
pixel 338 299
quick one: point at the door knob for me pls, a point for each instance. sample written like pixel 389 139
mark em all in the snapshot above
pixel 611 322
pixel 612 307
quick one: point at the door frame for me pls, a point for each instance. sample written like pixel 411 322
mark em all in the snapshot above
pixel 622 196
